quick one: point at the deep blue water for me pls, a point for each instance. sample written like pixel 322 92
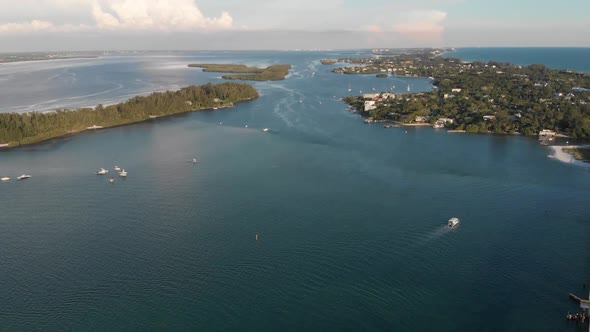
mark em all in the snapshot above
pixel 570 58
pixel 351 217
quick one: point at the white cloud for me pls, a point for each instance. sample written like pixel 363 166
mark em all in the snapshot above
pixel 130 15
pixel 158 15
pixel 422 25
pixel 34 25
pixel 37 26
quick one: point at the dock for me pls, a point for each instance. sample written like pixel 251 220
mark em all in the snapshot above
pixel 584 305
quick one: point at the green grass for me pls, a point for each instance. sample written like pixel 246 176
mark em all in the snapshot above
pixel 270 73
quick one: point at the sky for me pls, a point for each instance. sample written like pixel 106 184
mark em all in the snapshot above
pixel 55 25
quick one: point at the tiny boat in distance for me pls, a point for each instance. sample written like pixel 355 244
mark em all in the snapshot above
pixel 117 168
pixel 111 180
pixel 265 129
pixel 453 222
pixel 102 171
pixel 194 160
pixel 123 173
pixel 24 176
pixel 5 178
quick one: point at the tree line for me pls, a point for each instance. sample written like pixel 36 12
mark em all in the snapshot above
pixel 18 129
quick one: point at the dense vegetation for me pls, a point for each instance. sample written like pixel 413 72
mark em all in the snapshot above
pixel 18 129
pixel 579 153
pixel 513 99
pixel 270 73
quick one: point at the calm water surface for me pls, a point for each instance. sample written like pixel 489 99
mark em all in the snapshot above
pixel 351 217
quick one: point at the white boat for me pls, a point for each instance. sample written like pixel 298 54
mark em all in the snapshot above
pixel 24 176
pixel 194 160
pixel 117 168
pixel 102 171
pixel 5 178
pixel 265 129
pixel 123 173
pixel 111 180
pixel 453 222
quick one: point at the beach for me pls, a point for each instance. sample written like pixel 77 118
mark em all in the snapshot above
pixel 561 155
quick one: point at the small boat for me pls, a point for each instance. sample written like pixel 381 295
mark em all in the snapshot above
pixel 111 180
pixel 102 171
pixel 5 178
pixel 194 160
pixel 123 173
pixel 117 168
pixel 453 222
pixel 246 126
pixel 265 130
pixel 24 176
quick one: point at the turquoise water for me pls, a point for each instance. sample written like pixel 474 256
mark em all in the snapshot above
pixel 573 58
pixel 351 217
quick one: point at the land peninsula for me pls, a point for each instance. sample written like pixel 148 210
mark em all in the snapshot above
pixel 28 128
pixel 477 97
pixel 243 72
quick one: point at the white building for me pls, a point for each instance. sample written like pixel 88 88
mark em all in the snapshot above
pixel 370 105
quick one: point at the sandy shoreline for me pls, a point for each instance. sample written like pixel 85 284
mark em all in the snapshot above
pixel 565 157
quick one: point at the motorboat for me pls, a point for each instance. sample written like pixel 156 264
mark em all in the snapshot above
pixel 453 222
pixel 5 178
pixel 265 129
pixel 23 177
pixel 194 160
pixel 117 168
pixel 123 173
pixel 111 180
pixel 102 171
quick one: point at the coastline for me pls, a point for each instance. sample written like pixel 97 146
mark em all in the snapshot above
pixel 565 157
pixel 5 146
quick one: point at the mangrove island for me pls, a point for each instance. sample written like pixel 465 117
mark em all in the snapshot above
pixel 243 72
pixel 19 129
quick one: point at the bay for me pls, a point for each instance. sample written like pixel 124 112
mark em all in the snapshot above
pixel 351 218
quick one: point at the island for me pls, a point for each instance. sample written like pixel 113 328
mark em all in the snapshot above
pixel 477 97
pixel 27 128
pixel 243 72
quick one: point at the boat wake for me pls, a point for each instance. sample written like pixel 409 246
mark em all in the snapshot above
pixel 435 234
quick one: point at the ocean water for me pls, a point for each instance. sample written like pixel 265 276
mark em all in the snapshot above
pixel 350 217
pixel 568 58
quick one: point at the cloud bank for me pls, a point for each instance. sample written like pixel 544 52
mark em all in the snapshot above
pixel 130 15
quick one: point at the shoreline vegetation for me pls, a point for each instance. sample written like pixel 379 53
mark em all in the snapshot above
pixel 572 154
pixel 243 72
pixel 18 129
pixel 581 153
pixel 476 97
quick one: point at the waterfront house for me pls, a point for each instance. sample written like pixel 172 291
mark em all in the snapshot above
pixel 421 119
pixel 370 105
pixel 547 133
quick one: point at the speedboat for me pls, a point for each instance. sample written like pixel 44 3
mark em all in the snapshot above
pixel 5 178
pixel 24 176
pixel 102 171
pixel 453 222
pixel 123 173
pixel 111 180
pixel 117 168
pixel 265 129
pixel 194 160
